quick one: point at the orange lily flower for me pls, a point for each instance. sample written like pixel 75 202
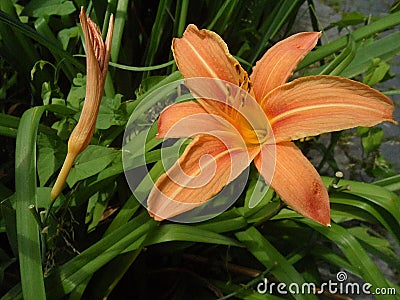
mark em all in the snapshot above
pixel 304 107
pixel 97 58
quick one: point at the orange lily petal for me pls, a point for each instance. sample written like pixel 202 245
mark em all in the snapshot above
pixel 173 114
pixel 201 172
pixel 280 61
pixel 203 53
pixel 189 119
pixel 316 104
pixel 295 180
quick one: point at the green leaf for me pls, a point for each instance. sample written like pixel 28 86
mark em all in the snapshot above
pixel 376 72
pixel 51 154
pixel 227 221
pixel 29 246
pixel 111 113
pixel 104 281
pixel 97 204
pixel 358 34
pixel 272 259
pixel 354 253
pixel 360 59
pixel 64 127
pixel 367 235
pixel 336 66
pixel 391 183
pixel 46 92
pixel 5 262
pixel 259 194
pixel 77 92
pixel 65 35
pixel 157 32
pixel 8 214
pixel 353 204
pixel 43 8
pixel 176 232
pixel 278 17
pixel 43 198
pixel 334 258
pixel 371 49
pixel 395 7
pixel 125 214
pixel 371 138
pixel 240 291
pixel 350 19
pixel 90 162
pixel 75 271
pixel 373 193
pixel 31 33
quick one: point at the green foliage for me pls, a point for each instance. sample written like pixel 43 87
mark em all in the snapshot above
pixel 97 241
pixel 48 8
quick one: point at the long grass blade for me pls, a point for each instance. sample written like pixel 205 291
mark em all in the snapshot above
pixel 29 248
pixel 280 15
pixel 31 33
pixel 68 276
pixel 119 25
pixel 391 183
pixel 358 34
pixel 272 259
pixel 157 32
pixel 354 253
pixel 342 60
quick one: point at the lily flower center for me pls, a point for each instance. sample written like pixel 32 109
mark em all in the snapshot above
pixel 244 112
pixel 253 136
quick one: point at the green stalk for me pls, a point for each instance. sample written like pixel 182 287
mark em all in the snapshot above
pixel 182 17
pixel 226 10
pixel 156 33
pixel 119 24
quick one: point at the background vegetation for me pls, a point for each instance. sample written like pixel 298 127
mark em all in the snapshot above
pixel 97 241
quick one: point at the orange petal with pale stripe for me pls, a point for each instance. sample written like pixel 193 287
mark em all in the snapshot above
pixel 295 180
pixel 317 104
pixel 189 119
pixel 203 53
pixel 280 61
pixel 172 114
pixel 202 171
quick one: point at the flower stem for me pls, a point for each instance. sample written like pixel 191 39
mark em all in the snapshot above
pixel 62 177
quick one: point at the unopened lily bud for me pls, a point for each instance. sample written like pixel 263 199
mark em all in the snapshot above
pixel 97 58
